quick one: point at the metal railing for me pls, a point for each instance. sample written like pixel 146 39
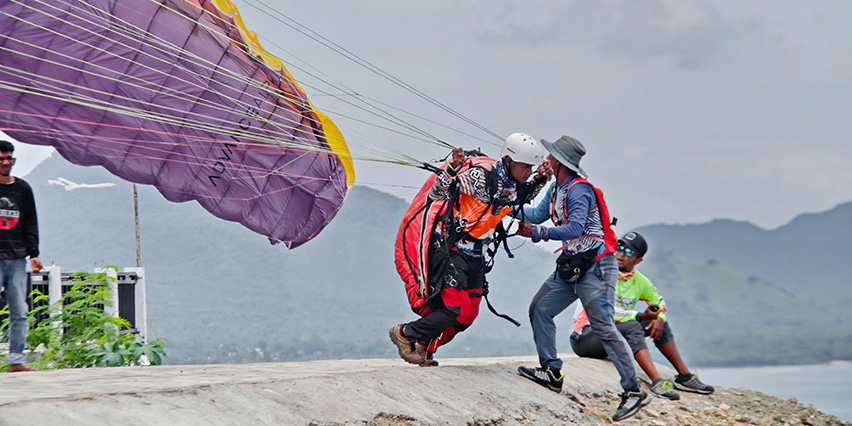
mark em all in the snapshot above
pixel 128 294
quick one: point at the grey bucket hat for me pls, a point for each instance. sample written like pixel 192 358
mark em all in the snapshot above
pixel 568 152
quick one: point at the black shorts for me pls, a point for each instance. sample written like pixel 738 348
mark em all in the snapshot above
pixel 586 344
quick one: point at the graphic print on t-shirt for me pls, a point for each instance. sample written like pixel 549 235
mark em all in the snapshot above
pixel 9 213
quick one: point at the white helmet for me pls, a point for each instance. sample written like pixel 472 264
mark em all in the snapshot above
pixel 522 149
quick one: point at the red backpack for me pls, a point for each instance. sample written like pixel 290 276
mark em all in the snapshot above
pixel 411 252
pixel 610 240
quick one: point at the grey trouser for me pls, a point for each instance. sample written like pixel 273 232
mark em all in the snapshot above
pixel 596 289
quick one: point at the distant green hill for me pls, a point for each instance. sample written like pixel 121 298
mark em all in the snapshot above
pixel 218 293
pixel 808 256
pixel 727 318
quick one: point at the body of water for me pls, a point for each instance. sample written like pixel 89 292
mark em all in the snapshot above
pixel 825 386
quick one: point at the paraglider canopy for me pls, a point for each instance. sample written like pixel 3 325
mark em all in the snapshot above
pixel 177 94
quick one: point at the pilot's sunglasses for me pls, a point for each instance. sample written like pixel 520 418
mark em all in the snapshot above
pixel 627 251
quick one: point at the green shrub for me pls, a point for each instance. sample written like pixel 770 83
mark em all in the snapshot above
pixel 80 333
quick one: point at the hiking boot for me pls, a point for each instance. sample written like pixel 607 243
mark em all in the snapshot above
pixel 428 361
pixel 405 346
pixel 664 389
pixel 631 402
pixel 550 378
pixel 689 382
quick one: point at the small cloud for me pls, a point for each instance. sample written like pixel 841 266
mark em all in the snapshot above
pixel 69 186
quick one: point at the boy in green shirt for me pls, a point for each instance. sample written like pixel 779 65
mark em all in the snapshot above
pixel 632 287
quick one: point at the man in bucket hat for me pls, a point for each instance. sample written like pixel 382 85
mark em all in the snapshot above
pixel 586 269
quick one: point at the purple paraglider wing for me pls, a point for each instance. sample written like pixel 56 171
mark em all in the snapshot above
pixel 175 94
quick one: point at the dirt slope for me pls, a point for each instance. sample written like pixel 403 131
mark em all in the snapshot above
pixel 468 391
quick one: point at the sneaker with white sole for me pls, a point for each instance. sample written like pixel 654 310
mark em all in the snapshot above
pixel 631 402
pixel 664 389
pixel 550 378
pixel 689 382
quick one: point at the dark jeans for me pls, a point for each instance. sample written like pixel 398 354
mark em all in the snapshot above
pixel 596 289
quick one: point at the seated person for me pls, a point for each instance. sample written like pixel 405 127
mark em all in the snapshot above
pixel 631 287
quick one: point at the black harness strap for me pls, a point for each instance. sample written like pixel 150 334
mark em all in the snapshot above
pixel 494 311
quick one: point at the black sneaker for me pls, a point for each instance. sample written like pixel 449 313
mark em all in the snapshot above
pixel 690 383
pixel 549 377
pixel 664 389
pixel 631 402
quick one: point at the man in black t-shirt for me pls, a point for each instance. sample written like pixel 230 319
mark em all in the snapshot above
pixel 18 239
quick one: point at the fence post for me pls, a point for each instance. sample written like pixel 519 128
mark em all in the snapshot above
pixel 112 280
pixel 140 292
pixel 54 284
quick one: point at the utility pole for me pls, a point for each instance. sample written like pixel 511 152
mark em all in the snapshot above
pixel 140 289
pixel 136 215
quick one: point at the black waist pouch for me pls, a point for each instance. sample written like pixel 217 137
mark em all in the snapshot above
pixel 571 267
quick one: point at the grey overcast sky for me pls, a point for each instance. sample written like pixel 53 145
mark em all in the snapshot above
pixel 689 110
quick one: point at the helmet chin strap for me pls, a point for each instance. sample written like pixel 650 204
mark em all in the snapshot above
pixel 507 166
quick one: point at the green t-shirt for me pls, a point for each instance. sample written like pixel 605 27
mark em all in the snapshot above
pixel 628 293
